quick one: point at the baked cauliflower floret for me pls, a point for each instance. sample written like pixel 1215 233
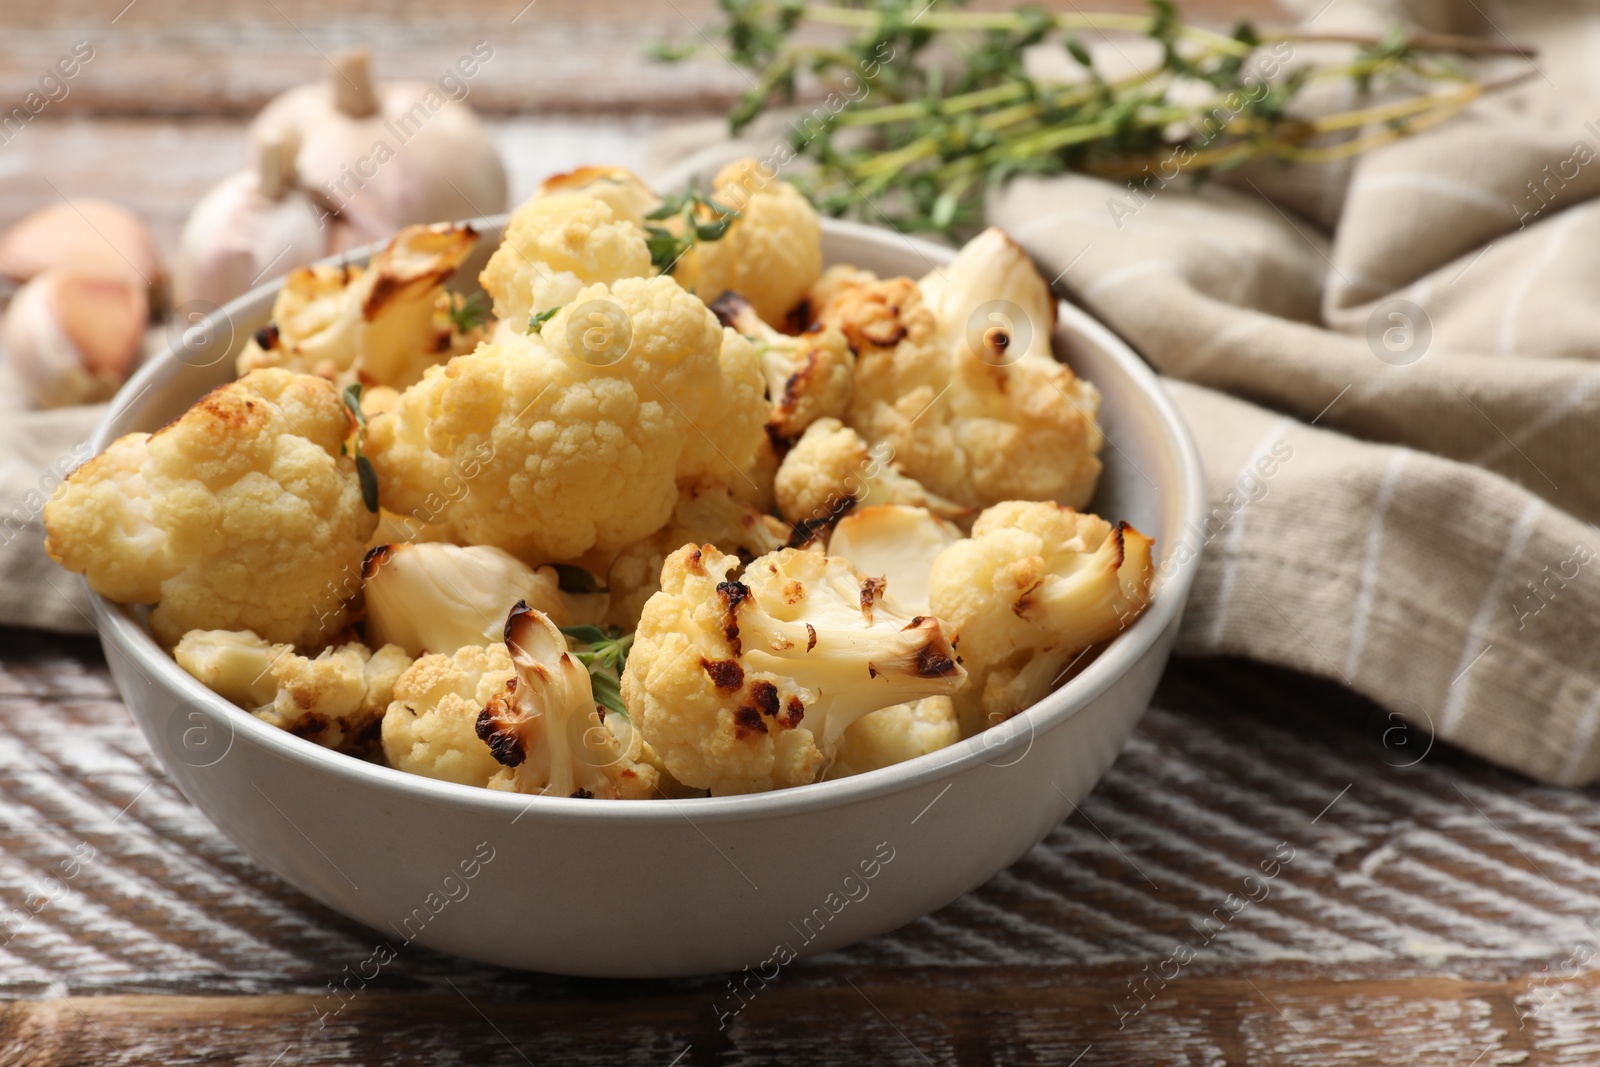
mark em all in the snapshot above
pixel 626 193
pixel 554 247
pixel 1036 579
pixel 239 515
pixel 808 377
pixel 832 470
pixel 548 452
pixel 957 377
pixel 707 512
pixel 431 726
pixel 896 543
pixel 439 597
pixel 723 444
pixel 894 735
pixel 547 730
pixel 334 699
pixel 771 254
pixel 381 325
pixel 742 686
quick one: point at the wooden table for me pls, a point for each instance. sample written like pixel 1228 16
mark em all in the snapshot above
pixel 1427 908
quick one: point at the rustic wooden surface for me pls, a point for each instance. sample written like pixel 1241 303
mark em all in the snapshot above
pixel 1429 915
pixel 1436 910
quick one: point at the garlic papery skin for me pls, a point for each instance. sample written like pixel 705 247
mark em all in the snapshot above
pixel 85 234
pixel 386 155
pixel 252 226
pixel 73 337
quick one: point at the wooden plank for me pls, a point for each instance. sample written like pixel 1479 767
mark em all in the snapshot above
pixel 856 1016
pixel 179 57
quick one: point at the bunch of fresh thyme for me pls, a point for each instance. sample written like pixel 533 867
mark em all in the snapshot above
pixel 928 107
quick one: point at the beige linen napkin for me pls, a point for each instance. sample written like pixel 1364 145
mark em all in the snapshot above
pixel 1412 345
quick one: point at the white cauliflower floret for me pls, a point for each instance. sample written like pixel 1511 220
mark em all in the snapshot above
pixel 894 735
pixel 547 730
pixel 241 514
pixel 944 379
pixel 706 513
pixel 335 699
pixel 554 247
pixel 832 470
pixel 808 377
pixel 382 325
pixel 896 543
pixel 771 254
pixel 547 453
pixel 623 191
pixel 431 726
pixel 439 597
pixel 742 686
pixel 724 441
pixel 1034 585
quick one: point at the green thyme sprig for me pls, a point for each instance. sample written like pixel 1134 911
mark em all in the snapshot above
pixel 537 320
pixel 700 219
pixel 468 313
pixel 917 135
pixel 604 652
pixel 365 474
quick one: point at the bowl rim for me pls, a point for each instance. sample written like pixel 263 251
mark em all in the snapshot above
pixel 123 632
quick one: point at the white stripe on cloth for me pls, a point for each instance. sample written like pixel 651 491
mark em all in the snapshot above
pixel 1124 274
pixel 1559 411
pixel 1588 719
pixel 1369 565
pixel 1427 183
pixel 1471 649
pixel 1235 532
pixel 1509 311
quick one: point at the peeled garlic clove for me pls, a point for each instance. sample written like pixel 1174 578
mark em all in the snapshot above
pixel 386 155
pixel 251 226
pixel 73 337
pixel 92 235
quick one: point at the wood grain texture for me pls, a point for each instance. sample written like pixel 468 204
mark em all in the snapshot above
pixel 183 57
pixel 1429 914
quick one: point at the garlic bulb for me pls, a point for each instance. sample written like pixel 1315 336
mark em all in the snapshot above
pixel 91 235
pixel 252 225
pixel 72 336
pixel 392 154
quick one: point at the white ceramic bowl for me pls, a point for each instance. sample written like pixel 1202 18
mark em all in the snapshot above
pixel 667 887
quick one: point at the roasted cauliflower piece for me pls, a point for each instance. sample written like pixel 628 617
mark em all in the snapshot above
pixel 956 376
pixel 556 246
pixel 896 543
pixel 808 377
pixel 622 190
pixel 440 597
pixel 771 254
pixel 431 726
pixel 747 685
pixel 1035 584
pixel 380 325
pixel 241 514
pixel 549 452
pixel 722 445
pixel 706 513
pixel 893 735
pixel 547 730
pixel 832 470
pixel 335 698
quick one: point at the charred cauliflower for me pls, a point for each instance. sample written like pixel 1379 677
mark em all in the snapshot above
pixel 956 376
pixel 431 726
pixel 832 470
pixel 748 685
pixel 242 514
pixel 547 730
pixel 894 735
pixel 335 699
pixel 382 325
pixel 808 377
pixel 771 254
pixel 1034 585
